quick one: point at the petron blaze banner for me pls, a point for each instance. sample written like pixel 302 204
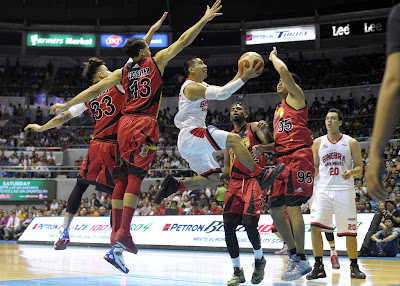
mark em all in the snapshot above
pixel 27 190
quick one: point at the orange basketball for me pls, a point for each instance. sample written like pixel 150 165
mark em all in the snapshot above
pixel 251 59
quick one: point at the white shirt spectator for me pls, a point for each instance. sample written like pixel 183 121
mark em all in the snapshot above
pixel 54 206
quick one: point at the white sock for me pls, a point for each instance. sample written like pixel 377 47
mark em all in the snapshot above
pixel 67 222
pixel 236 262
pixel 258 253
pixel 118 250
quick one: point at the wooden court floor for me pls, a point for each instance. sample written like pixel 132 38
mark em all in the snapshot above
pixel 41 265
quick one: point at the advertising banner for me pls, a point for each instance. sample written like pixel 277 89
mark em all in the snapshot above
pixel 279 35
pixel 61 40
pixel 27 190
pixel 353 28
pixel 187 230
pixel 118 40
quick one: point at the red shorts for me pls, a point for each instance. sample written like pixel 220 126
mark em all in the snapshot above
pixel 97 167
pixel 244 196
pixel 137 138
pixel 295 185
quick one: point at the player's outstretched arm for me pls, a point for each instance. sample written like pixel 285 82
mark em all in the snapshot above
pixel 60 119
pixel 287 79
pixel 154 28
pixel 54 122
pixel 315 149
pixel 194 91
pixel 386 119
pixel 227 166
pixel 165 55
pixel 90 92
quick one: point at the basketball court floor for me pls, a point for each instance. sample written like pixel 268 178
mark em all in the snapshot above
pixel 26 264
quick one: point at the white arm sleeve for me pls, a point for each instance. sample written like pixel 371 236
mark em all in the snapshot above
pixel 224 92
pixel 77 109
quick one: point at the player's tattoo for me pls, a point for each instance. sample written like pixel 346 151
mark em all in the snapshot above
pixel 62 117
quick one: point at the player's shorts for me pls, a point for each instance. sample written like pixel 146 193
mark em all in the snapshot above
pixel 295 185
pixel 244 196
pixel 137 139
pixel 197 145
pixel 97 167
pixel 342 203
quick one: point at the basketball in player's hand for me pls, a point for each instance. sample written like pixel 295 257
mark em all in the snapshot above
pixel 251 59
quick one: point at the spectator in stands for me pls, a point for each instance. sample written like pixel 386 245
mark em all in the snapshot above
pixel 220 193
pixel 196 209
pixel 203 201
pixel 54 205
pixel 83 212
pixel 39 116
pixel 385 242
pixel 93 212
pixel 26 222
pixel 393 214
pixel 214 208
pixel 174 206
pixel 103 211
pixel 187 208
pixel 3 224
pixel 13 227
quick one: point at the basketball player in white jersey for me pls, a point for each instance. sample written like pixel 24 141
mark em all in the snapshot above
pixel 337 159
pixel 196 142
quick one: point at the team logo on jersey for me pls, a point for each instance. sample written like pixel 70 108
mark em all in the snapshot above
pixel 344 145
pixel 324 146
pixel 279 113
pixel 299 190
pixel 145 150
pixel 246 142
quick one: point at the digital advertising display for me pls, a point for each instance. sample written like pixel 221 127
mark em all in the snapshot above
pixel 118 40
pixel 27 190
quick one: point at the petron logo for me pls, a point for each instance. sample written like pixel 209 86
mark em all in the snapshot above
pixel 215 226
pixel 249 37
pixel 114 41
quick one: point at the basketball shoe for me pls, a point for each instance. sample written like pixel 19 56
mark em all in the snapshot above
pixel 335 262
pixel 356 272
pixel 63 240
pixel 238 277
pixel 116 258
pixel 124 240
pixel 168 187
pixel 266 178
pixel 283 251
pixel 296 268
pixel 258 273
pixel 317 272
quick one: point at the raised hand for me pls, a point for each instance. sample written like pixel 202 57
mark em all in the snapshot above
pixel 34 127
pixel 212 12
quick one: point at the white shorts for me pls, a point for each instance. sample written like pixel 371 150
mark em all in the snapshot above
pixel 196 146
pixel 342 203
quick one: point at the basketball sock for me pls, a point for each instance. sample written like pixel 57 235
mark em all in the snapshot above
pixel 67 222
pixel 181 187
pixel 258 253
pixel 127 215
pixel 333 249
pixel 116 219
pixel 318 260
pixel 236 262
pixel 292 251
pixel 353 262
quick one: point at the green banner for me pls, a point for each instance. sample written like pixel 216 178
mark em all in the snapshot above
pixel 27 190
pixel 61 40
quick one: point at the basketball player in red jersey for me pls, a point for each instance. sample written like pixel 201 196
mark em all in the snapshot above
pixel 295 186
pixel 244 199
pixel 138 130
pixel 97 170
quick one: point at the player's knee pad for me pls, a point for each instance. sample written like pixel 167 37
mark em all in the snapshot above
pixel 329 236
